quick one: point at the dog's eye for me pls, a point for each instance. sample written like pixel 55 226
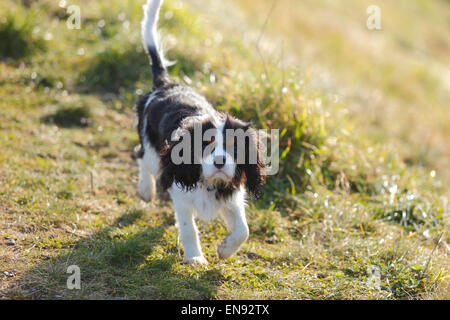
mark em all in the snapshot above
pixel 210 140
pixel 232 141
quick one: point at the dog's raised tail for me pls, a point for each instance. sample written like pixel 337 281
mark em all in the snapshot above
pixel 151 42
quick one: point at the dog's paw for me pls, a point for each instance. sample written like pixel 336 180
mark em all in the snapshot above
pixel 145 192
pixel 145 196
pixel 225 252
pixel 196 260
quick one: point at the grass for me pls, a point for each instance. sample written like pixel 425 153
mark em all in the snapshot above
pixel 363 182
pixel 17 30
pixel 69 117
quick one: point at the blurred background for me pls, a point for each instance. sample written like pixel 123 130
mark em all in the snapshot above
pixel 364 146
pixel 396 80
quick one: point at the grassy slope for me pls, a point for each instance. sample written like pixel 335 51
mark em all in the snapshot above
pixel 400 73
pixel 346 198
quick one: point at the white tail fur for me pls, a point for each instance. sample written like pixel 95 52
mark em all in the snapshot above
pixel 149 24
pixel 151 43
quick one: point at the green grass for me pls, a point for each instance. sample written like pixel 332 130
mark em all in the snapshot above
pixel 17 29
pixel 363 181
pixel 69 117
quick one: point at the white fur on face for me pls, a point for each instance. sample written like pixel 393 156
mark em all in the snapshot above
pixel 211 172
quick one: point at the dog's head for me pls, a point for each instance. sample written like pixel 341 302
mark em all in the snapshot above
pixel 224 154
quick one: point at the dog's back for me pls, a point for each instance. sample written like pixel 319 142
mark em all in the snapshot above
pixel 162 110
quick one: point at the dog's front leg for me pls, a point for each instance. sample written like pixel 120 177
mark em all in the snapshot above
pixel 188 234
pixel 234 216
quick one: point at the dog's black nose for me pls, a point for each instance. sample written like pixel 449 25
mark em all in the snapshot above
pixel 219 161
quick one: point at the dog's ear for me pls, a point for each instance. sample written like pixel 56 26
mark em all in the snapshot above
pixel 178 167
pixel 254 167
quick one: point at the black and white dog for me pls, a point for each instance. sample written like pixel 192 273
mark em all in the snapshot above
pixel 209 181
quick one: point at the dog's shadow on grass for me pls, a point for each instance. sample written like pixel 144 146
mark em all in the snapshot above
pixel 114 266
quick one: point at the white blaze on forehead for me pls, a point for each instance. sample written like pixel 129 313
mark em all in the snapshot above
pixel 219 138
pixel 219 148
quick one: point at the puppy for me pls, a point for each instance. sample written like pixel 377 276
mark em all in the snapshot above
pixel 205 159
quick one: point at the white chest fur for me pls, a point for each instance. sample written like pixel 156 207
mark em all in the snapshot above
pixel 203 202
